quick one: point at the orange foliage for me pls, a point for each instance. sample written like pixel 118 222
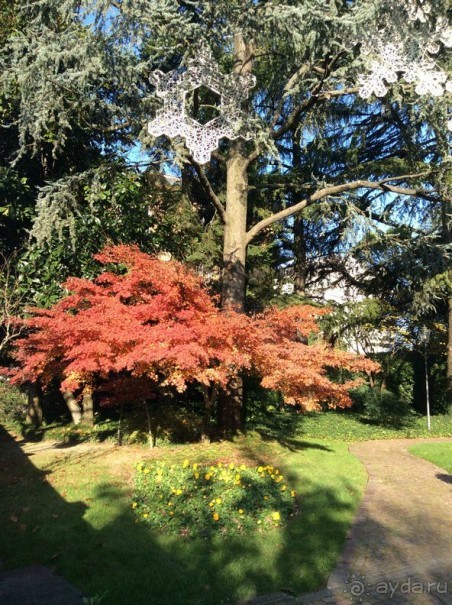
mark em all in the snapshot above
pixel 146 322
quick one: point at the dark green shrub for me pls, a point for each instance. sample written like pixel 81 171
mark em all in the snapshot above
pixel 13 404
pixel 382 406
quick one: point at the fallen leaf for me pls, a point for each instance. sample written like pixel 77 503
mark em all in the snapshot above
pixel 14 519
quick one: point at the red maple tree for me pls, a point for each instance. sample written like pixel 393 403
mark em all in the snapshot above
pixel 145 323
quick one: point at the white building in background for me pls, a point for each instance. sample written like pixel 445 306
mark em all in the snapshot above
pixel 336 290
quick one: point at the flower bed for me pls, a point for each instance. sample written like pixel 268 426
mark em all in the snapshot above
pixel 199 500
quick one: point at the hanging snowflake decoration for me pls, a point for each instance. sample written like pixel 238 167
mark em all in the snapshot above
pixel 393 55
pixel 174 120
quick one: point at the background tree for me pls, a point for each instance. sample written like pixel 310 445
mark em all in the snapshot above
pixel 85 69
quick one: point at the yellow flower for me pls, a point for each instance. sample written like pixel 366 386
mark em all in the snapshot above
pixel 196 475
pixel 220 465
pixel 159 478
pixel 293 494
pixel 260 469
pixel 283 489
pixel 207 477
pixel 243 467
pixel 276 516
pixel 146 471
pixel 237 477
pixel 171 513
pixel 195 466
pixel 265 497
pixel 276 472
pixel 231 466
pixel 170 504
pixel 259 522
pixel 211 503
pixel 216 516
pixel 134 505
pixel 178 492
pixel 145 516
pixel 218 500
pixel 185 464
pixel 241 511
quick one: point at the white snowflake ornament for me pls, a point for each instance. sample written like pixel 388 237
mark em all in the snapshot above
pixel 173 119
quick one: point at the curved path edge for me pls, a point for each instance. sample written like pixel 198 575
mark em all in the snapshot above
pixel 399 547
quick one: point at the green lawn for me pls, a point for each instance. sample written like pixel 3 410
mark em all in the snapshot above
pixel 438 453
pixel 347 426
pixel 72 513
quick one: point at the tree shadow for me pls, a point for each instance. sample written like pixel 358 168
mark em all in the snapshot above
pixel 284 428
pixel 444 477
pixel 119 557
pixel 103 550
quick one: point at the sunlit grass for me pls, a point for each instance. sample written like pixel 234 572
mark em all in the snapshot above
pixel 437 453
pixel 72 512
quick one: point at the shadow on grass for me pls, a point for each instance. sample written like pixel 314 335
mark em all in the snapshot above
pixel 68 434
pixel 284 427
pixel 97 545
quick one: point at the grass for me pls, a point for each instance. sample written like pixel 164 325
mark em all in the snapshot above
pixel 280 426
pixel 346 426
pixel 438 453
pixel 72 512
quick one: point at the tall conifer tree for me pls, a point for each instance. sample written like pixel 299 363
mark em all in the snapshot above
pixel 86 65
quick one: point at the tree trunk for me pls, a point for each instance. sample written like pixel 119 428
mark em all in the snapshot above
pixel 34 409
pixel 74 407
pixel 234 245
pixel 88 406
pixel 449 355
pixel 300 268
pixel 299 237
pixel 209 400
pixel 230 402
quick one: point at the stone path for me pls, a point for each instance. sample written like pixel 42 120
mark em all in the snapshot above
pixel 399 549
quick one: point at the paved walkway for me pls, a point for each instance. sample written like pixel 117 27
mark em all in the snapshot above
pixel 399 550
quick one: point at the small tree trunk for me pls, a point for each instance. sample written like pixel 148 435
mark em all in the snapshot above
pixel 88 406
pixel 231 416
pixel 34 409
pixel 209 400
pixel 449 355
pixel 74 407
pixel 299 256
pixel 152 431
pixel 299 231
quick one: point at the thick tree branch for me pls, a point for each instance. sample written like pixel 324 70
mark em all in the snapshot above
pixel 209 190
pixel 382 185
